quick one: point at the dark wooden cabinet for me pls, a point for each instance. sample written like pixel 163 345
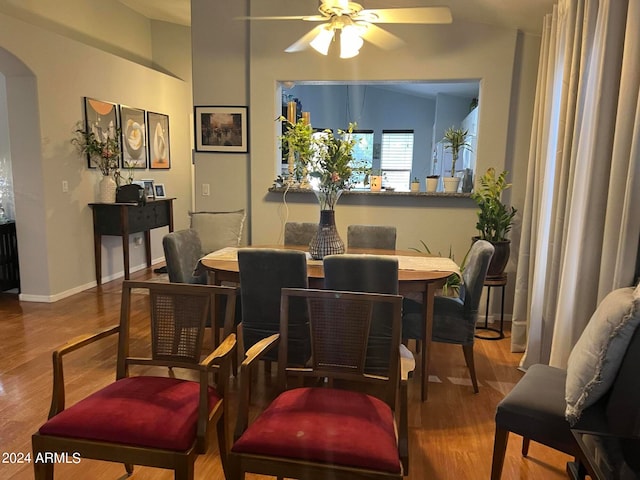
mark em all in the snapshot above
pixel 123 219
pixel 9 268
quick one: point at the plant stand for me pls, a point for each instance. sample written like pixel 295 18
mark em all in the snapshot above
pixel 491 282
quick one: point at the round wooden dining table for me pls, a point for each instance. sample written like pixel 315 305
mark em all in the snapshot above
pixel 418 273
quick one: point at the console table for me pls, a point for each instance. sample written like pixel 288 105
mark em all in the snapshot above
pixel 123 219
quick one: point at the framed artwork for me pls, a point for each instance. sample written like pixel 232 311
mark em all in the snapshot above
pixel 134 151
pixel 159 190
pixel 101 118
pixel 149 189
pixel 221 129
pixel 158 140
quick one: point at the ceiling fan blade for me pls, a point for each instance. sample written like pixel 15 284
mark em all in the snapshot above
pixel 303 42
pixel 406 15
pixel 307 18
pixel 381 38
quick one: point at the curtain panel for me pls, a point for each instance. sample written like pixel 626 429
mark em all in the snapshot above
pixel 579 233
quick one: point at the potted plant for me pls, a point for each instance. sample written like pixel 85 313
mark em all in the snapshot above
pixel 415 185
pixel 432 183
pixel 298 140
pixel 494 218
pixel 455 140
pixel 103 150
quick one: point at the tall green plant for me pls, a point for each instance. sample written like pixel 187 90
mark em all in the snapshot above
pixel 455 139
pixel 494 217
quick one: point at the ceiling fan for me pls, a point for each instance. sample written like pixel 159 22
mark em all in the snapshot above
pixel 357 24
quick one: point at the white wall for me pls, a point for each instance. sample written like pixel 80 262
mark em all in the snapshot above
pixel 107 25
pixel 435 52
pixel 55 233
pixel 432 52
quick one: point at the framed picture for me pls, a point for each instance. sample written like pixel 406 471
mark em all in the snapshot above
pixel 221 129
pixel 158 140
pixel 101 118
pixel 134 151
pixel 149 189
pixel 159 190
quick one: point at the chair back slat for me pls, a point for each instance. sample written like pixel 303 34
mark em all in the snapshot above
pixel 177 326
pixel 178 314
pixel 340 323
pixel 336 318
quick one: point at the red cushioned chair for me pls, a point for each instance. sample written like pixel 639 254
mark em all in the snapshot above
pixel 346 424
pixel 153 419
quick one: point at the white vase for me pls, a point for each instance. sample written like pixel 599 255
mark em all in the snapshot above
pixel 432 184
pixel 107 189
pixel 451 184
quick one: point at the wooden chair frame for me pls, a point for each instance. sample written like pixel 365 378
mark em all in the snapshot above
pixel 391 389
pixel 217 362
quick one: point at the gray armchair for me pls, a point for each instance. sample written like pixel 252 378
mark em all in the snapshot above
pixel 182 250
pixel 601 382
pixel 371 236
pixel 454 319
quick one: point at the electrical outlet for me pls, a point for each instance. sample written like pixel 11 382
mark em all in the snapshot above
pixel 65 186
pixel 137 241
pixel 205 189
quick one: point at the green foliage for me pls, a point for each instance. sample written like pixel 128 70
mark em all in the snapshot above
pixel 298 139
pixel 103 150
pixel 325 157
pixel 455 139
pixel 494 218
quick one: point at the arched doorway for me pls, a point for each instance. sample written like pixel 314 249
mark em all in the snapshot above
pixel 20 126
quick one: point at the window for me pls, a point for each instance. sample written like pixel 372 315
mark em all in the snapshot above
pixel 397 158
pixel 362 155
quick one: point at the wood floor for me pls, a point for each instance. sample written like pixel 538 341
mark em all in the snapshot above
pixel 451 434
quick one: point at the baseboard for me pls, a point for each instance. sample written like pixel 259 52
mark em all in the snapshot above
pixel 24 297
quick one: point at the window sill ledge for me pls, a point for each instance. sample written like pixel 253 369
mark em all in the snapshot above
pixel 382 193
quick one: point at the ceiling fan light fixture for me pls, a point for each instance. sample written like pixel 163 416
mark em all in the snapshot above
pixel 350 41
pixel 323 40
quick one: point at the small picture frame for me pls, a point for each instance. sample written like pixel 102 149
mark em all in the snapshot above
pixel 158 143
pixel 159 190
pixel 134 146
pixel 149 189
pixel 221 129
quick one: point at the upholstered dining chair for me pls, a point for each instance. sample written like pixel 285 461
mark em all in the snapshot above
pixel 454 319
pixel 598 392
pixel 264 273
pixel 366 273
pixel 150 418
pixel 371 236
pixel 182 250
pixel 349 424
pixel 299 233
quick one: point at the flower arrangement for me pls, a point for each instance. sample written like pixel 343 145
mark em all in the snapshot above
pixel 102 147
pixel 325 157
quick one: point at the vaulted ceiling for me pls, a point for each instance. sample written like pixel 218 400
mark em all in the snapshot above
pixel 525 15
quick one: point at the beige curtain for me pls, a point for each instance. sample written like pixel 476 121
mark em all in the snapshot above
pixel 579 235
